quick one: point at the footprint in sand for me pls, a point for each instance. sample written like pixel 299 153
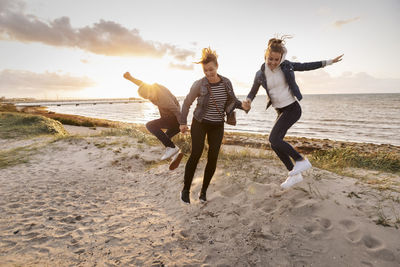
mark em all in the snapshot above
pixel 319 228
pixel 349 225
pixel 373 245
pixel 324 223
pixel 270 208
pixel 13 206
pixel 8 244
pixel 353 233
pixel 376 248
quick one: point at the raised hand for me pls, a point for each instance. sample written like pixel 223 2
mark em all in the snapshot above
pixel 337 59
pixel 127 75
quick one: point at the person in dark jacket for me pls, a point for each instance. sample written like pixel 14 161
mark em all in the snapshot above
pixel 277 77
pixel 170 114
pixel 215 98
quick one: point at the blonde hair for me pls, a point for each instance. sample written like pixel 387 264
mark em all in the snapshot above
pixel 277 45
pixel 208 55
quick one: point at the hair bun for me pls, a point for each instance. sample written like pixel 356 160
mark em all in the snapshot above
pixel 279 41
pixel 274 41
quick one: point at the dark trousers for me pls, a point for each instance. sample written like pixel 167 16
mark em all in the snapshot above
pixel 169 123
pixel 287 116
pixel 199 131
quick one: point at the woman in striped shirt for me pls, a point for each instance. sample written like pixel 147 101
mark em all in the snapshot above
pixel 215 97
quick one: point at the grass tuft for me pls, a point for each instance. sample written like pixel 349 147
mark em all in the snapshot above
pixel 340 158
pixel 18 125
pixel 7 107
pixel 16 156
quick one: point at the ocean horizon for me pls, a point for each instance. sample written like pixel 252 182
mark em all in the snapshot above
pixel 369 118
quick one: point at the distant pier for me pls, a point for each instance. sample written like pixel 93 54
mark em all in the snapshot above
pixel 47 103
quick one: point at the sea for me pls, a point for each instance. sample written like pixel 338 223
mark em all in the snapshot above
pixel 364 118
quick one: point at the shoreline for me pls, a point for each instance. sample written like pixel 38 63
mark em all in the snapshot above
pixel 303 145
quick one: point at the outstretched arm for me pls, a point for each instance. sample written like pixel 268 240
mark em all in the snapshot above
pixel 315 65
pixel 128 76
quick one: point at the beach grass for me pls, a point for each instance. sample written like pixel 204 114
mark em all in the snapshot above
pixel 340 158
pixel 331 155
pixel 19 155
pixel 74 120
pixel 8 107
pixel 19 125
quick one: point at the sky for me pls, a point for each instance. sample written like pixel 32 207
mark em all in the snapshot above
pixel 63 49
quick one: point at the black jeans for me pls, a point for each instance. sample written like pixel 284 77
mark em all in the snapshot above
pixel 199 130
pixel 169 123
pixel 287 116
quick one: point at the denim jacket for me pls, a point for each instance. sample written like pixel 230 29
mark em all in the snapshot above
pixel 288 69
pixel 199 90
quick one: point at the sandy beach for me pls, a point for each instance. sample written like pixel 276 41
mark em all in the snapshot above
pixel 104 200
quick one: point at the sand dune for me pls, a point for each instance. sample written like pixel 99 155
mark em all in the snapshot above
pixel 105 201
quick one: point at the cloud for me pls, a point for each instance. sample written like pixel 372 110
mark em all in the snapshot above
pixel 181 66
pixel 104 37
pixel 11 4
pixel 340 23
pixel 320 82
pixel 20 83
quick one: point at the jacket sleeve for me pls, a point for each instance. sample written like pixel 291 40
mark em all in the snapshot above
pixel 193 94
pixel 168 101
pixel 308 65
pixel 238 103
pixel 254 89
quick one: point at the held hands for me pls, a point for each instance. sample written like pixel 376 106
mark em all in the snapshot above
pixel 337 59
pixel 183 128
pixel 246 105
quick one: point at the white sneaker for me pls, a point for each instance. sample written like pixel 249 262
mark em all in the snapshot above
pixel 300 166
pixel 169 152
pixel 292 180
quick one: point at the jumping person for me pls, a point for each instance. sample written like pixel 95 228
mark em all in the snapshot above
pixel 215 97
pixel 170 113
pixel 277 77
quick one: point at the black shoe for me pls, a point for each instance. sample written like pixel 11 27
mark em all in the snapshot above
pixel 203 197
pixel 185 196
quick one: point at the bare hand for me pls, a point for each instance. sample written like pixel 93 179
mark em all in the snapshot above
pixel 337 59
pixel 127 76
pixel 183 128
pixel 246 105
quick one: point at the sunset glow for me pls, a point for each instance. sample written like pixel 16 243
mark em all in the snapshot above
pixel 54 49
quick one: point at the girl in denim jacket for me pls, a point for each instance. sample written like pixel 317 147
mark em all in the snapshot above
pixel 277 77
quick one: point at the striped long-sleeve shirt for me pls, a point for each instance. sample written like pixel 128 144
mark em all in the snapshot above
pixel 219 96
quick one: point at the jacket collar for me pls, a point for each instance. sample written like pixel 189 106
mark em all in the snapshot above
pixel 205 81
pixel 283 65
pixel 263 67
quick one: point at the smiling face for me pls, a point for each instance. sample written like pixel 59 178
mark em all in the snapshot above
pixel 210 70
pixel 273 60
